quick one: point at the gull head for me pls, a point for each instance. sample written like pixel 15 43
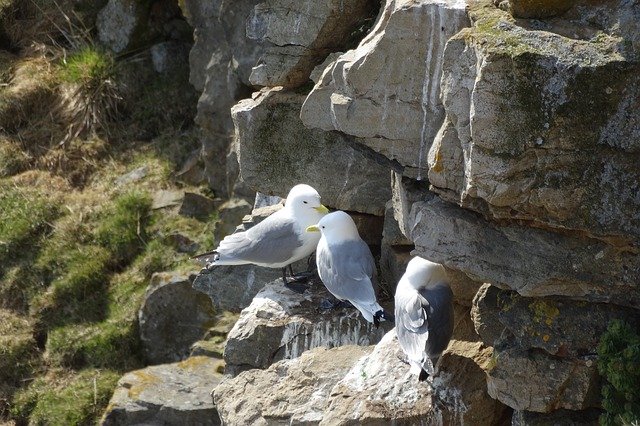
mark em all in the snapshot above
pixel 336 226
pixel 423 273
pixel 304 200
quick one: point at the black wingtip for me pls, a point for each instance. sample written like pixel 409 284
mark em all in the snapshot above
pixel 423 376
pixel 201 255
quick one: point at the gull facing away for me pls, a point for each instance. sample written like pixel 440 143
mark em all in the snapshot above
pixel 424 314
pixel 276 242
pixel 346 265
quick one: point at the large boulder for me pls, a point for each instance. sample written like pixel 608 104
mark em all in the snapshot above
pixel 379 390
pixel 177 393
pixel 386 91
pixel 544 126
pixel 276 152
pixel 289 392
pixel 172 317
pixel 297 35
pixel 281 324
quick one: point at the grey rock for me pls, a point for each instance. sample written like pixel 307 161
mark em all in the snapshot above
pixel 172 317
pixel 288 392
pixel 534 381
pixel 133 176
pixel 167 198
pixel 276 152
pixel 116 23
pixel 556 418
pixel 543 126
pixel 177 393
pixel 317 72
pixel 391 232
pixel 405 192
pixel 531 261
pixel 264 200
pixel 169 56
pixel 393 263
pixel 230 215
pixel 386 91
pixel 464 288
pixel 370 228
pixel 559 326
pixel 379 390
pixel 297 35
pixel 192 170
pixel 198 206
pixel 281 324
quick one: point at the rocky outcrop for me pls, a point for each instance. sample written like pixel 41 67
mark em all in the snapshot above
pixel 281 324
pixel 177 393
pixel 277 152
pixel 297 35
pixel 565 155
pixel 386 91
pixel 289 392
pixel 172 317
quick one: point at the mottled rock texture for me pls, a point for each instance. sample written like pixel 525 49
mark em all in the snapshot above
pixel 172 317
pixel 297 35
pixel 387 89
pixel 289 392
pixel 543 126
pixel 277 152
pixel 177 393
pixel 281 324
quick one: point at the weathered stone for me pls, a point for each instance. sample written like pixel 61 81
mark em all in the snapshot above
pixel 277 152
pixel 220 63
pixel 379 390
pixel 172 317
pixel 230 215
pixel 213 342
pixel 386 90
pixel 282 324
pixel 464 288
pixel 538 9
pixel 369 228
pixel 556 418
pixel 565 155
pixel 405 192
pixel 169 56
pixel 531 261
pixel 289 392
pixel 177 393
pixel 167 198
pixel 181 243
pixel 297 35
pixel 192 170
pixel 196 205
pixel 116 23
pixel 393 263
pixel 317 72
pixel 133 176
pixel 391 232
pixel 559 326
pixel 533 381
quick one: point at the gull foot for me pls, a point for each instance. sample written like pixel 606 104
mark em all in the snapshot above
pixel 295 286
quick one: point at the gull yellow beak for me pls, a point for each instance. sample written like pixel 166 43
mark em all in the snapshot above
pixel 321 209
pixel 314 228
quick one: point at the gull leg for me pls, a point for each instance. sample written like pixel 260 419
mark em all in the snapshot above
pixel 293 285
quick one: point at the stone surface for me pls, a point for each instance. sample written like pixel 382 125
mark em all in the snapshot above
pixel 281 324
pixel 220 63
pixel 538 9
pixel 116 23
pixel 289 392
pixel 464 288
pixel 565 155
pixel 276 152
pixel 393 263
pixel 379 389
pixel 199 206
pixel 297 35
pixel 230 215
pixel 533 262
pixel 177 393
pixel 533 381
pixel 405 192
pixel 386 90
pixel 172 317
pixel 391 232
pixel 556 418
pixel 559 326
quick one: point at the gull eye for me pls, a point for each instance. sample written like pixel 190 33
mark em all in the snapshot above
pixel 305 202
pixel 322 227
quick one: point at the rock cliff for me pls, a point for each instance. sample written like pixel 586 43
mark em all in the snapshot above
pixel 501 140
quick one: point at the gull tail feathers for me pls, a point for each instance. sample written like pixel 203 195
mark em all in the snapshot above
pixel 204 256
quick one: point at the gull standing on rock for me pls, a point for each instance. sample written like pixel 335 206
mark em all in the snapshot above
pixel 424 314
pixel 276 242
pixel 346 265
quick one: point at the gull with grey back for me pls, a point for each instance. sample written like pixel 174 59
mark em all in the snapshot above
pixel 346 265
pixel 276 242
pixel 424 315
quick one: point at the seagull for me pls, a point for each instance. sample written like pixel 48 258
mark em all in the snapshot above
pixel 276 242
pixel 346 265
pixel 424 314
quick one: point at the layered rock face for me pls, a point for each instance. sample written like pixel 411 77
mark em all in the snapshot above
pixel 505 148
